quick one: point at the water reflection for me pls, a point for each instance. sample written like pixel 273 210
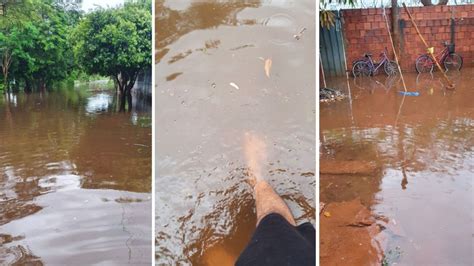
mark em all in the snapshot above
pixel 205 212
pixel 68 172
pixel 98 103
pixel 424 146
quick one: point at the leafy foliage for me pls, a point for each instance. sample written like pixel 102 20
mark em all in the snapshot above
pixel 114 42
pixel 327 18
pixel 45 41
pixel 35 34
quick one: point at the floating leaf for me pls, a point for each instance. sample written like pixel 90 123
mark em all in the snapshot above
pixel 268 67
pixel 234 85
pixel 327 214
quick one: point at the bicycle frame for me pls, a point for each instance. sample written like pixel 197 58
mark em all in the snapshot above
pixel 442 55
pixel 383 59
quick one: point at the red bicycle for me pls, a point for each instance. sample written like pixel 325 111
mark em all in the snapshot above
pixel 447 57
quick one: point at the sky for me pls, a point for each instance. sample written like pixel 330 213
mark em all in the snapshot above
pixel 90 4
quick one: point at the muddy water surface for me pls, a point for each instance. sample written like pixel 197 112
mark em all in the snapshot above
pixel 420 153
pixel 204 209
pixel 75 180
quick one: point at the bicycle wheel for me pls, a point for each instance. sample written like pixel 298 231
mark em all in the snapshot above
pixel 424 64
pixel 391 68
pixel 361 69
pixel 453 62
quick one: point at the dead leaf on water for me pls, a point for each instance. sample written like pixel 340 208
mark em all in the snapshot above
pixel 327 214
pixel 268 67
pixel 234 85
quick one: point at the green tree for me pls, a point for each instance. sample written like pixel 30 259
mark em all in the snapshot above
pixel 34 42
pixel 116 43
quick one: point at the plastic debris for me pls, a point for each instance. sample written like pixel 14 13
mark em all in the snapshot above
pixel 409 93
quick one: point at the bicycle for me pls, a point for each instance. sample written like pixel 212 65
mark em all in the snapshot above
pixel 451 61
pixel 366 66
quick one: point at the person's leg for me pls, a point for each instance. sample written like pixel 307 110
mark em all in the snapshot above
pixel 266 199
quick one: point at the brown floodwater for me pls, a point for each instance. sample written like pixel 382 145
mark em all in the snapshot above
pixel 211 89
pixel 75 180
pixel 422 147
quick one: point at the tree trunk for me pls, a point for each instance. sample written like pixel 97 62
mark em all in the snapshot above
pixel 125 85
pixel 27 85
pixel 122 101
pixel 6 61
pixel 42 86
pixel 5 82
pixel 129 99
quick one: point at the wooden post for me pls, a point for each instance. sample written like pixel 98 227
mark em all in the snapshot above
pixel 396 26
pixel 430 52
pixel 322 71
pixel 394 51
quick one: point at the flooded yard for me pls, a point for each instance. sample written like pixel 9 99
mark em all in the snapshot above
pixel 75 180
pixel 397 173
pixel 224 69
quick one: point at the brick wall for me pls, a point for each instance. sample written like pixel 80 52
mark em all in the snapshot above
pixel 365 31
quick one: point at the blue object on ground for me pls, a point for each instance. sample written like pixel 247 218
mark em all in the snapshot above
pixel 409 93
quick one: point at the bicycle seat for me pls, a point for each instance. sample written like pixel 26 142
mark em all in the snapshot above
pixel 367 54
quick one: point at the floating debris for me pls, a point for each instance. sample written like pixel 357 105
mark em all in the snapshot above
pixel 300 34
pixel 242 47
pixel 330 95
pixel 268 67
pixel 409 93
pixel 234 85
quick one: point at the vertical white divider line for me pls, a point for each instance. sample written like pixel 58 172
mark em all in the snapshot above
pixel 316 148
pixel 153 132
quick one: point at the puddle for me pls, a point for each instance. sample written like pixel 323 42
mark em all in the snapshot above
pixel 421 190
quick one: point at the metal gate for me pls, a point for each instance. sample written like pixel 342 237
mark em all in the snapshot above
pixel 332 49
